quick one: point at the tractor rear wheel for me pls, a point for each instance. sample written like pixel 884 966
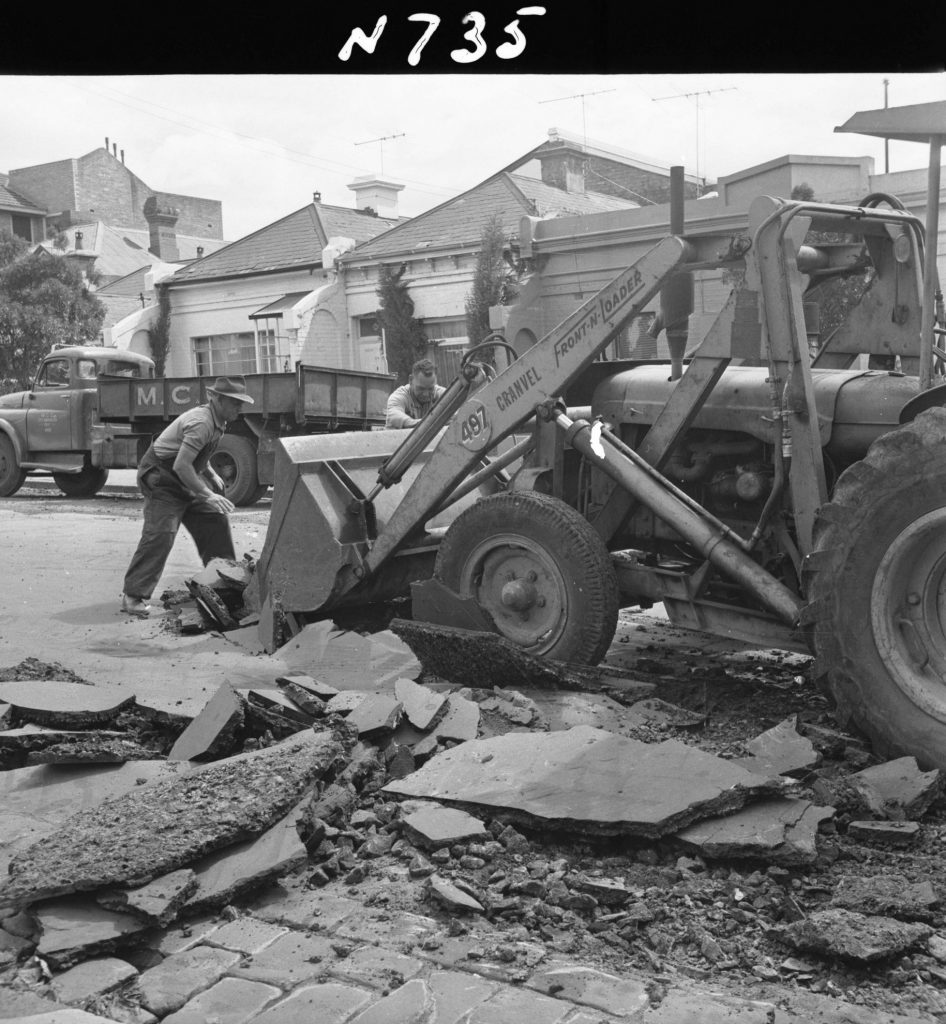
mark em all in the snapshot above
pixel 539 570
pixel 11 476
pixel 84 484
pixel 234 461
pixel 876 584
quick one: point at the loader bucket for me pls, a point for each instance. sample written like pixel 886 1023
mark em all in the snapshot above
pixel 315 541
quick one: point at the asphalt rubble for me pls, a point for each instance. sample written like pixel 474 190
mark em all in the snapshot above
pixel 377 838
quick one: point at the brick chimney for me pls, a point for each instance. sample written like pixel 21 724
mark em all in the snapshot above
pixel 378 194
pixel 563 164
pixel 161 219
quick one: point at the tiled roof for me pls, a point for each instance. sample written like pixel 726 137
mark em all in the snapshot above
pixel 293 241
pixel 458 223
pixel 119 251
pixel 10 200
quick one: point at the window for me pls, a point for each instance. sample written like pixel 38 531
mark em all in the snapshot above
pixel 85 369
pixel 22 226
pixel 54 374
pixel 121 368
pixel 220 355
pixel 368 327
pixel 452 329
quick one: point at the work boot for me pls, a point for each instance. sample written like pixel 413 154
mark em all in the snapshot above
pixel 135 606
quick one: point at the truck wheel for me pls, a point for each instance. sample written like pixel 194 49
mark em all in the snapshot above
pixel 539 569
pixel 235 462
pixel 876 583
pixel 11 476
pixel 85 484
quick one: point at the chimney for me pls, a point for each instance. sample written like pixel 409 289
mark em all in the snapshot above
pixel 161 220
pixel 563 164
pixel 106 143
pixel 114 149
pixel 377 194
pixel 316 197
pixel 123 156
pixel 78 241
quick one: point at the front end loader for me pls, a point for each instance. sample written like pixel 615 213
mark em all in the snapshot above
pixel 773 484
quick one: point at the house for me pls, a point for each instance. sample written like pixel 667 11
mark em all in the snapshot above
pixel 260 304
pixel 20 216
pixel 562 177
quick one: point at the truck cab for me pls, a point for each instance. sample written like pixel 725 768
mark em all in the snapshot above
pixel 54 427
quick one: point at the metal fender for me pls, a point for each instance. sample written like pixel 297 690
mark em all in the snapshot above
pixel 7 429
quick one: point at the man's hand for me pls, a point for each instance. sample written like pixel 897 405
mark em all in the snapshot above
pixel 215 480
pixel 220 504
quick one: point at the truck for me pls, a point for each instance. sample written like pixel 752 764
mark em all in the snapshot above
pixel 765 484
pixel 91 409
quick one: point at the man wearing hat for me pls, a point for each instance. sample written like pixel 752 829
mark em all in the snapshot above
pixel 181 488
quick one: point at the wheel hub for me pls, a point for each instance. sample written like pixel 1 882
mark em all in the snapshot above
pixel 908 611
pixel 518 583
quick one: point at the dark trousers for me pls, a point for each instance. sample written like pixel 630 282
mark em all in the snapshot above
pixel 168 506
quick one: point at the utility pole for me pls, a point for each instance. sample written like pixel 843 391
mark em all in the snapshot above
pixel 381 140
pixel 886 141
pixel 696 96
pixel 580 96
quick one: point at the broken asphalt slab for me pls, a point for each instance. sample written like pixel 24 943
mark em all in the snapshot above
pixel 780 751
pixel 851 936
pixel 158 901
pixel 586 780
pixel 476 659
pixel 350 661
pixel 75 928
pixel 897 789
pixel 888 895
pixel 157 829
pixel 213 730
pixel 60 703
pixel 780 831
pixel 433 827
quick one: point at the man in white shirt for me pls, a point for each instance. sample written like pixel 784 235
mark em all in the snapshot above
pixel 411 402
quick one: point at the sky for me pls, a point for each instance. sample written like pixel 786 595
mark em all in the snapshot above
pixel 262 144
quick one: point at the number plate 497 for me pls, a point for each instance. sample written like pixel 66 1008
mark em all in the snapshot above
pixel 475 428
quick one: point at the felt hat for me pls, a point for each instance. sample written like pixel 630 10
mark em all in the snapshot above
pixel 230 387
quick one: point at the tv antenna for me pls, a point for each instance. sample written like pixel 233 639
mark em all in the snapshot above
pixel 580 96
pixel 696 96
pixel 381 141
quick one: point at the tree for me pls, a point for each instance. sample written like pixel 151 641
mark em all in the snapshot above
pixel 493 281
pixel 404 338
pixel 44 301
pixel 161 331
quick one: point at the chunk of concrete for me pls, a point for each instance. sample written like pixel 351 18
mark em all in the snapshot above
pixel 158 901
pixel 898 790
pixel 93 750
pixel 451 896
pixel 586 780
pixel 377 715
pixel 304 695
pixel 36 800
pixel 213 731
pixel 75 929
pixel 781 831
pixel 433 826
pixel 852 936
pixel 884 833
pixel 315 686
pixel 31 737
pixel 227 874
pixel 781 751
pixel 482 659
pixel 59 703
pixel 274 698
pixel 153 831
pixel 423 708
pixel 460 721
pixel 92 979
pixel 654 712
pixel 345 702
pixel 888 895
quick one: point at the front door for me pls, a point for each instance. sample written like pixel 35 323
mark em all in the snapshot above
pixel 49 409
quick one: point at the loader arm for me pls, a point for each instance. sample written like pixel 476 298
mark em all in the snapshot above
pixel 497 408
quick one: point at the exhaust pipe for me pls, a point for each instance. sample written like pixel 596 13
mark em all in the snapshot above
pixel 676 297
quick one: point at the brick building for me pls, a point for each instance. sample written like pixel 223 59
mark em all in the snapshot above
pixel 99 187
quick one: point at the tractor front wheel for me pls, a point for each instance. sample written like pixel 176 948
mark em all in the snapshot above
pixel 876 584
pixel 539 570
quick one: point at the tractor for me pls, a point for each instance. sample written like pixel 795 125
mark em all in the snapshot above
pixel 770 484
